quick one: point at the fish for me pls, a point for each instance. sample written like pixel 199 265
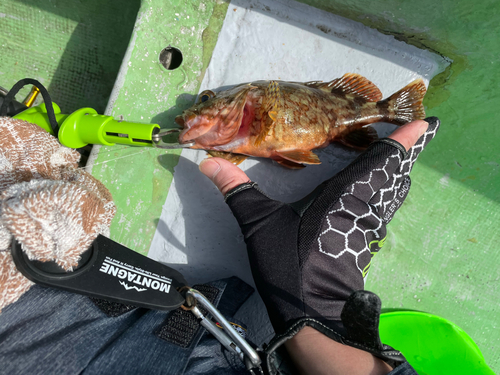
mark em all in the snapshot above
pixel 285 121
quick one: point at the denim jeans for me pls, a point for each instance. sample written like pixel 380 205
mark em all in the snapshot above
pixel 49 331
pixel 404 369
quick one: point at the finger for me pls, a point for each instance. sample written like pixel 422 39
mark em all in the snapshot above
pixel 419 146
pixel 409 134
pixel 391 196
pixel 386 169
pixel 372 169
pixel 224 174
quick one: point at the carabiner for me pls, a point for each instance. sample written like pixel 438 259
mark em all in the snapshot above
pixel 228 336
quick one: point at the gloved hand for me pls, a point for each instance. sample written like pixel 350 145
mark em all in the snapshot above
pixel 53 208
pixel 309 259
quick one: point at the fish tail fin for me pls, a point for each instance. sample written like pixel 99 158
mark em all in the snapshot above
pixel 406 104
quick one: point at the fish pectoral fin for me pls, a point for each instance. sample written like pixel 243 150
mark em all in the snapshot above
pixel 229 156
pixel 267 123
pixel 351 84
pixel 360 138
pixel 300 157
pixel 271 103
pixel 290 164
pixel 273 115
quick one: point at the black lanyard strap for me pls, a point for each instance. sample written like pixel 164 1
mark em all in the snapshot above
pixel 46 98
pixel 112 272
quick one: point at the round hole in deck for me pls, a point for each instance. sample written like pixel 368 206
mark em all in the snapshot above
pixel 170 58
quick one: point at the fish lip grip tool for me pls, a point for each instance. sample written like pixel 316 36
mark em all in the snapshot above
pixel 85 126
pixel 113 272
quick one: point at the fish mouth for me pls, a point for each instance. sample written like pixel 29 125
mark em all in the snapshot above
pixel 194 126
pixel 219 129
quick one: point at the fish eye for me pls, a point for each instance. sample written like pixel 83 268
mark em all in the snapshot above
pixel 206 95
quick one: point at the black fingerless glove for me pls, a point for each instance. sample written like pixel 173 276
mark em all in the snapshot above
pixel 309 259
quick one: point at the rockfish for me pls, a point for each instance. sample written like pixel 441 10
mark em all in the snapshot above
pixel 284 121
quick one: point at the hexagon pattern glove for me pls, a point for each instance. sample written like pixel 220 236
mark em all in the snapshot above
pixel 309 257
pixel 53 208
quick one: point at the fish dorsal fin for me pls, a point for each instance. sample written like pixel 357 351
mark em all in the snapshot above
pixel 313 83
pixel 351 84
pixel 299 156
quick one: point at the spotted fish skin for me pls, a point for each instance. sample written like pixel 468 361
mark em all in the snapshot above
pixel 284 121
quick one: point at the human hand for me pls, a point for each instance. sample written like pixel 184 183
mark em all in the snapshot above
pixel 52 207
pixel 308 258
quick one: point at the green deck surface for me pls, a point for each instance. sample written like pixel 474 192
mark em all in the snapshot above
pixel 442 250
pixel 139 178
pixel 74 48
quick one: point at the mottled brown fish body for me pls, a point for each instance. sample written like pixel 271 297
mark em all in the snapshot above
pixel 286 120
pixel 310 119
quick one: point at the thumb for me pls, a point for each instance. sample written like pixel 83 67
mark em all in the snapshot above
pixel 249 205
pixel 224 174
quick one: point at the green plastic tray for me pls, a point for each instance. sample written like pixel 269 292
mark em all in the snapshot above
pixel 431 344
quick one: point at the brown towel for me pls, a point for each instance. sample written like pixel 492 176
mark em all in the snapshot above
pixel 53 208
